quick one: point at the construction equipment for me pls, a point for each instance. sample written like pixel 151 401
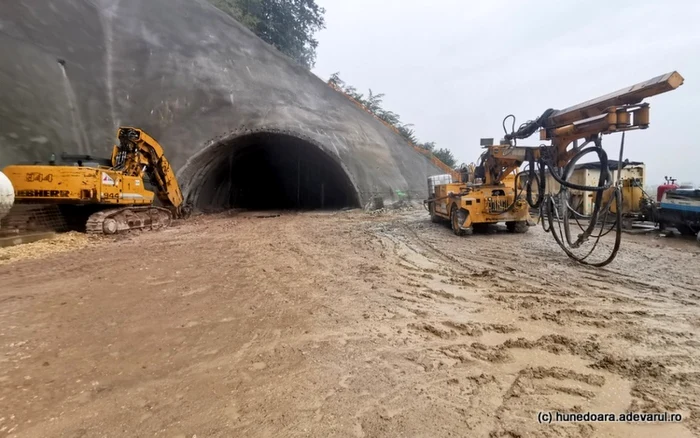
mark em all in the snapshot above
pixel 7 195
pixel 483 197
pixel 633 198
pixel 676 206
pixel 669 184
pixel 680 208
pixel 105 196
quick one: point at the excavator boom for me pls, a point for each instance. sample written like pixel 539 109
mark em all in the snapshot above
pixel 138 151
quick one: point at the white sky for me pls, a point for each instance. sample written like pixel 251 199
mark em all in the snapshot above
pixel 455 68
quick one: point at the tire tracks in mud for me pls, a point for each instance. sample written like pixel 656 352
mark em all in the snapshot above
pixel 348 324
pixel 582 327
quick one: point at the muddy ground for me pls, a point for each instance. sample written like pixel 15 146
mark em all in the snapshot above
pixel 344 324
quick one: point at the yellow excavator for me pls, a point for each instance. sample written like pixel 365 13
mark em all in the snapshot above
pixel 105 196
pixel 492 191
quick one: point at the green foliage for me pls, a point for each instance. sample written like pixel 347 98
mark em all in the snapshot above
pixel 289 25
pixel 408 133
pixel 241 10
pixel 445 155
pixel 428 146
pixel 373 103
pixel 390 117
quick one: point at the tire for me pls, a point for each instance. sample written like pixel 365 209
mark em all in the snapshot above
pixel 685 230
pixel 454 221
pixel 627 224
pixel 433 217
pixel 517 227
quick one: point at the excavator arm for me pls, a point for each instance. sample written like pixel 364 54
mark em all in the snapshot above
pixel 137 154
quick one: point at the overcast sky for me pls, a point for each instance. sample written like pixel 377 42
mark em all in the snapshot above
pixel 455 68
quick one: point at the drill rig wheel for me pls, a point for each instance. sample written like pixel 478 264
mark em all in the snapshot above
pixel 457 218
pixel 433 217
pixel 517 227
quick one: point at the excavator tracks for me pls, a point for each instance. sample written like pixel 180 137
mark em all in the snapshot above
pixel 120 220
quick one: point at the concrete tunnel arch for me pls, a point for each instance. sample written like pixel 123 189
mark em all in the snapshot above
pixel 267 169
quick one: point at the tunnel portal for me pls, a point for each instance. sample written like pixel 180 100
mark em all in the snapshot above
pixel 271 171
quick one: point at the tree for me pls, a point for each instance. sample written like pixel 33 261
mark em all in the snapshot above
pixel 407 133
pixel 445 155
pixel 428 146
pixel 244 11
pixel 352 92
pixel 389 117
pixel 288 25
pixel 335 80
pixel 374 103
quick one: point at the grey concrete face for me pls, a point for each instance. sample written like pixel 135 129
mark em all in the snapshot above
pixel 72 71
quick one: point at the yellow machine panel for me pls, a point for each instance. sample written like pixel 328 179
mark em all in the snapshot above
pixel 465 206
pixel 632 197
pixel 75 185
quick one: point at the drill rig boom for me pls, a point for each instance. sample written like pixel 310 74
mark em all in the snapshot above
pixel 619 111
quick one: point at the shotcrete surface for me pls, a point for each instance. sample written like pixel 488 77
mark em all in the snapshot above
pixel 188 74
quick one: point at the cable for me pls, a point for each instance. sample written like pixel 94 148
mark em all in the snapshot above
pixel 512 130
pixel 557 207
pixel 517 196
pixel 605 182
pixel 528 128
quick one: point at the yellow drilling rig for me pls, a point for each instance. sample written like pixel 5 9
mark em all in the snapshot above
pixel 492 191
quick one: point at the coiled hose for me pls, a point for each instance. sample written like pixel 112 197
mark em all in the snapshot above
pixel 559 213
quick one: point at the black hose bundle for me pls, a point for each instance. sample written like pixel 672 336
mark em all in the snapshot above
pixel 541 179
pixel 559 211
pixel 548 205
pixel 526 129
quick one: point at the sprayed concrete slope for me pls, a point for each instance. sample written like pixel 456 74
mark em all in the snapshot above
pixel 199 82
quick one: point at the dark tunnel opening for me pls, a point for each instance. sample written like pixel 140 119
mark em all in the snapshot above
pixel 272 171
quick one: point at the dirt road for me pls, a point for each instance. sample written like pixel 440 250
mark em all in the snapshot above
pixel 345 324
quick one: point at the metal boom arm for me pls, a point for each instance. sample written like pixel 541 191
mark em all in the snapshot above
pixel 620 111
pixel 138 151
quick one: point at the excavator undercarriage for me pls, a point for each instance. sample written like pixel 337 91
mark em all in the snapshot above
pixel 119 220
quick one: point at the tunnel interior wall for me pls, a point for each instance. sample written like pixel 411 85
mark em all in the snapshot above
pixel 189 75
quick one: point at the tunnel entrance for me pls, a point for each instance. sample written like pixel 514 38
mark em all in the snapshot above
pixel 272 171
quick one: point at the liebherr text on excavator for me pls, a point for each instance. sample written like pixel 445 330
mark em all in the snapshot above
pixel 492 191
pixel 106 197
